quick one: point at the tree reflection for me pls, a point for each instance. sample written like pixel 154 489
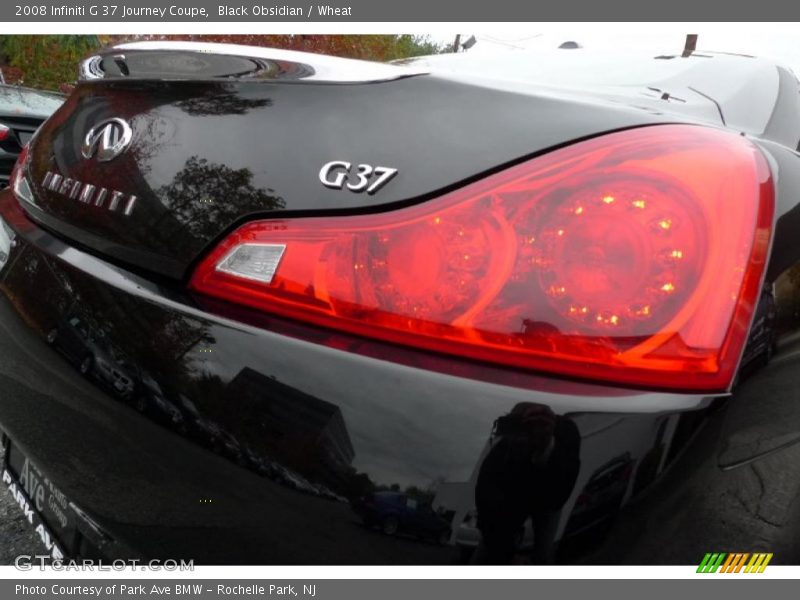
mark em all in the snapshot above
pixel 216 104
pixel 207 196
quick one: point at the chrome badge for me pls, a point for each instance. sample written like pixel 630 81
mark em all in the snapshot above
pixel 108 139
pixel 89 194
pixel 338 174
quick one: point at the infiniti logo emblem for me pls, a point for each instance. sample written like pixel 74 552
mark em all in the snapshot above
pixel 108 139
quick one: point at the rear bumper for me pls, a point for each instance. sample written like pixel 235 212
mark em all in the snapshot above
pixel 240 443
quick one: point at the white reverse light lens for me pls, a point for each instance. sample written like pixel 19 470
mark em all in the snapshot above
pixel 253 261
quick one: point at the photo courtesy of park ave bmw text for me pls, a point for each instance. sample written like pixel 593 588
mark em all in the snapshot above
pixel 339 300
pixel 159 590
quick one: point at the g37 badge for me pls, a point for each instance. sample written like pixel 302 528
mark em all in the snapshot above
pixel 338 174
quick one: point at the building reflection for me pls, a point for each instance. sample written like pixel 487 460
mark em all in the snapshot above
pixel 301 431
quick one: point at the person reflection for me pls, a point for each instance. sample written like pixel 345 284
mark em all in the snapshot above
pixel 529 472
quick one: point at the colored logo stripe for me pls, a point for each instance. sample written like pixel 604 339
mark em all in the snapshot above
pixel 711 562
pixel 758 563
pixel 742 560
pixel 734 562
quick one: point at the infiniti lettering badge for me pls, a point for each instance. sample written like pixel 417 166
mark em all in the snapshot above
pixel 89 194
pixel 108 139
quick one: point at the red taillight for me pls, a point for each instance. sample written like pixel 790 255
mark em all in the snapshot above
pixel 634 258
pixel 20 164
pixel 5 132
pixel 19 180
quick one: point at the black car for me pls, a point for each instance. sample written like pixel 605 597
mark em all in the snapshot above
pixel 395 512
pixel 475 280
pixel 22 110
pixel 88 349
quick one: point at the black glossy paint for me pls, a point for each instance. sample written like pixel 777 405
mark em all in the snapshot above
pixel 244 438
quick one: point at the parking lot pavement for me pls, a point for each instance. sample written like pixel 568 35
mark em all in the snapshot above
pixel 15 536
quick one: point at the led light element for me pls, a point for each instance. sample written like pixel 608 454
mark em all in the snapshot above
pixel 257 262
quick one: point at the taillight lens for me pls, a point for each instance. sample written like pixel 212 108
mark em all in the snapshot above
pixel 19 181
pixel 634 258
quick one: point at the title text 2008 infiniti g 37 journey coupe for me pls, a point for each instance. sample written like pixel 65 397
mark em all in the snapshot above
pixel 549 304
